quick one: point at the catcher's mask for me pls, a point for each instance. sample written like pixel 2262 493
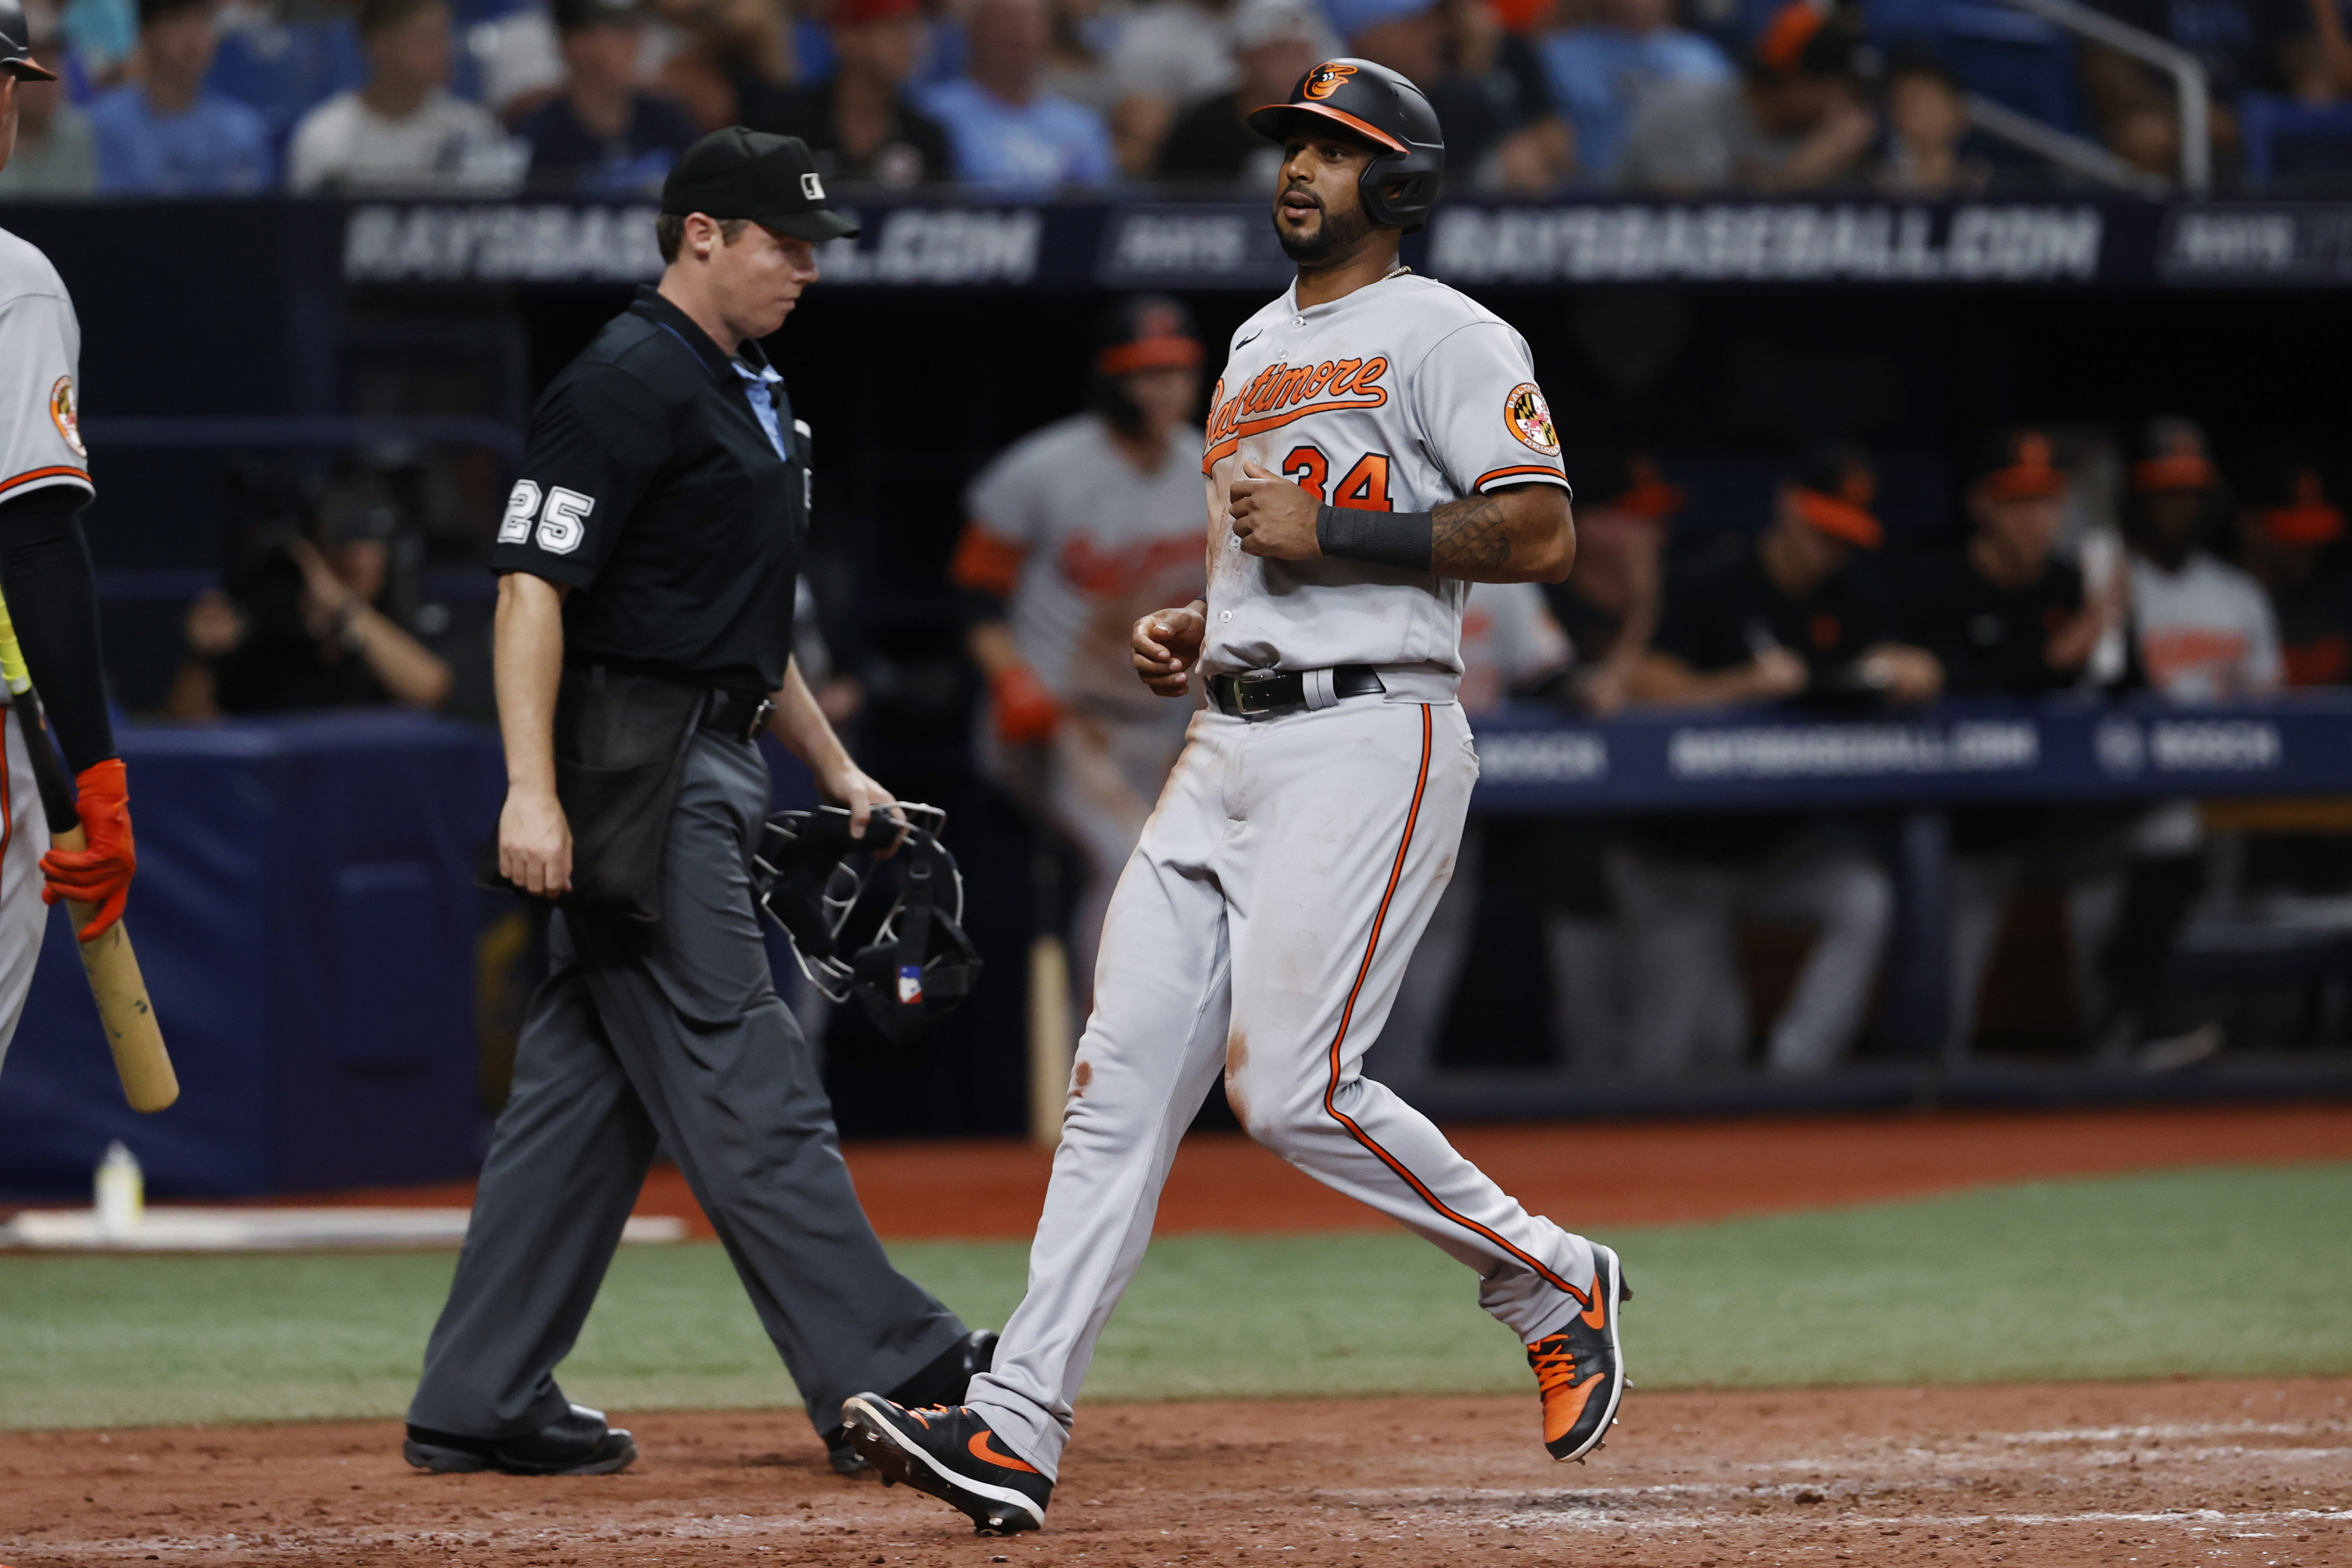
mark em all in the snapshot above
pixel 920 965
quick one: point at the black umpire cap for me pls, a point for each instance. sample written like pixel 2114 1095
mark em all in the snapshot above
pixel 738 173
pixel 16 44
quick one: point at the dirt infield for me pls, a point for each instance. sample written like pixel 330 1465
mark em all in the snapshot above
pixel 1582 1173
pixel 2206 1473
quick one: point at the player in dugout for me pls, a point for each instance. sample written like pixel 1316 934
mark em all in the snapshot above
pixel 1074 532
pixel 2004 612
pixel 1796 614
pixel 649 562
pixel 52 595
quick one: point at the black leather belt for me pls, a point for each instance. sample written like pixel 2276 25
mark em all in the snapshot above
pixel 1256 692
pixel 738 713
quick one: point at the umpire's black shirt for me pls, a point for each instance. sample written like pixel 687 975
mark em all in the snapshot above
pixel 650 488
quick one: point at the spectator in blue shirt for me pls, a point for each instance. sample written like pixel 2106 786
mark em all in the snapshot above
pixel 1601 72
pixel 162 134
pixel 603 132
pixel 1007 131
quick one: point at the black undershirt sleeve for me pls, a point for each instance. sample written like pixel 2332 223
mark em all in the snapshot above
pixel 52 592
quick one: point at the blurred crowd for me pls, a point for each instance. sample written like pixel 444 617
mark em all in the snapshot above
pixel 339 96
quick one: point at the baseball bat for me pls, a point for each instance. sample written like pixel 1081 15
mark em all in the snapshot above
pixel 109 959
pixel 1049 1038
pixel 1052 1041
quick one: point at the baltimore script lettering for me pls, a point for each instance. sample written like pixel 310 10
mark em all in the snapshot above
pixel 1281 392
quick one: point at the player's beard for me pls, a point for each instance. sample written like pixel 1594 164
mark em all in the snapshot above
pixel 1336 231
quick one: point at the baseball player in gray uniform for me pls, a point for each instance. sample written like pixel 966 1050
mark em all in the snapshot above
pixel 1073 532
pixel 45 574
pixel 1377 443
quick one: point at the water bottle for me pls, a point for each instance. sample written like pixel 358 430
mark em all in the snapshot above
pixel 121 1190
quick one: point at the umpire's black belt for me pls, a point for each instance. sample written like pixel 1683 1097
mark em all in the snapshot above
pixel 738 713
pixel 1262 693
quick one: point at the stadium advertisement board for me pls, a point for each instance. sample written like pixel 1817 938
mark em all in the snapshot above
pixel 1533 758
pixel 1072 245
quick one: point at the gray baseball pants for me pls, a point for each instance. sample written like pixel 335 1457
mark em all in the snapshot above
pixel 1261 930
pixel 1688 1008
pixel 676 1035
pixel 24 839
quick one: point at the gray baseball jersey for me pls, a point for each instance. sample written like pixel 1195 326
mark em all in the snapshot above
pixel 40 444
pixel 1401 396
pixel 40 356
pixel 1082 543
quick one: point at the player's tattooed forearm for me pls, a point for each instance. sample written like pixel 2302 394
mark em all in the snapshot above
pixel 1473 534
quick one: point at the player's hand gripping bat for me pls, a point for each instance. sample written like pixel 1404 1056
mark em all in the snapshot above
pixel 145 1067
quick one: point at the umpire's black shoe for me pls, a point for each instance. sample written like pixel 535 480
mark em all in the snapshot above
pixel 951 1452
pixel 943 1381
pixel 578 1443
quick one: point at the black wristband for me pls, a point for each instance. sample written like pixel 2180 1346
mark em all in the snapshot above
pixel 1403 539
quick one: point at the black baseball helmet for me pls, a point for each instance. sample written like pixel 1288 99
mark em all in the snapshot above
pixel 1380 106
pixel 16 44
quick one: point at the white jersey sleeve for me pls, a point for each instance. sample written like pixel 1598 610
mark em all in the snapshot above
pixel 40 353
pixel 1476 402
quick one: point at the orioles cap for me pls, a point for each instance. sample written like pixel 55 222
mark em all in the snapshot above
pixel 1832 490
pixel 2019 464
pixel 2289 502
pixel 2172 456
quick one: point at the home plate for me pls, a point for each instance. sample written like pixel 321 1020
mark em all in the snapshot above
pixel 175 1229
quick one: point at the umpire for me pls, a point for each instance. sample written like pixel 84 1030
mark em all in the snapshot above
pixel 648 560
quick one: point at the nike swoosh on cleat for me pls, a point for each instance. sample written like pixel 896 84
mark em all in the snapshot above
pixel 1596 1308
pixel 1582 1394
pixel 926 1474
pixel 979 1449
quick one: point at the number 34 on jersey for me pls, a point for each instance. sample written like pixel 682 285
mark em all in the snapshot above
pixel 1365 486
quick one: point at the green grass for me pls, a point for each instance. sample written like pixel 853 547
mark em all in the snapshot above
pixel 2224 1272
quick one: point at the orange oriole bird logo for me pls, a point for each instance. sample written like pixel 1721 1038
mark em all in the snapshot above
pixel 1326 79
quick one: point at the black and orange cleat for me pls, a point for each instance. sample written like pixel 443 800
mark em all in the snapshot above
pixel 951 1452
pixel 942 1381
pixel 1580 1370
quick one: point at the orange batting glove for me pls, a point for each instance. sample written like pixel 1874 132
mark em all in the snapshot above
pixel 99 872
pixel 1025 710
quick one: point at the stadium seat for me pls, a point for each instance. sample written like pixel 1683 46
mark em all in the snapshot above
pixel 282 68
pixel 2284 138
pixel 2015 59
pixel 285 69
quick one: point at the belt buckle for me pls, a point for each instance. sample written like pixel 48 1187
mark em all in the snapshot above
pixel 1247 701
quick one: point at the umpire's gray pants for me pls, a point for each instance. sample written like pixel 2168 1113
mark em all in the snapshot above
pixel 676 1032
